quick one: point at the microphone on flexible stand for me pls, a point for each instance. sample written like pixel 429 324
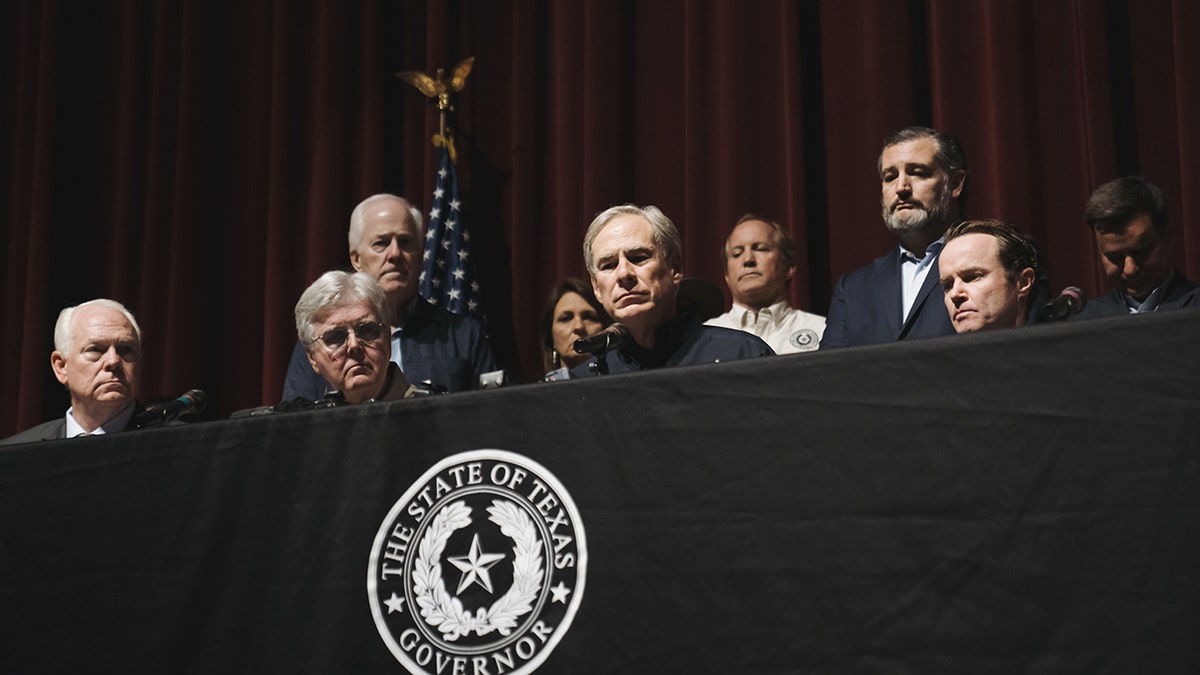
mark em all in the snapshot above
pixel 191 402
pixel 600 344
pixel 605 341
pixel 1068 303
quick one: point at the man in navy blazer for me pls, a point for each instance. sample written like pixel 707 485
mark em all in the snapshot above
pixel 1134 237
pixel 922 175
pixel 429 344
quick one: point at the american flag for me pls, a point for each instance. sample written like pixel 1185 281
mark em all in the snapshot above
pixel 448 275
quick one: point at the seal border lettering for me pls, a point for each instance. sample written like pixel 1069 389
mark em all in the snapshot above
pixel 486 454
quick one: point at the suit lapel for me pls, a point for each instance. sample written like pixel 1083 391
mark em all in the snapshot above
pixel 887 272
pixel 56 431
pixel 1181 293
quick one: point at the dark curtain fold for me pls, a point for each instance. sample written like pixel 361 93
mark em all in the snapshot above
pixel 198 161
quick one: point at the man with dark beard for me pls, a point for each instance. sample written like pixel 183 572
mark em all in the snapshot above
pixel 923 174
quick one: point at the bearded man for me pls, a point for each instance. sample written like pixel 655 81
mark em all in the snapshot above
pixel 922 174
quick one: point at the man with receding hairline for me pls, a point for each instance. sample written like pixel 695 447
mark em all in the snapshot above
pixel 97 356
pixel 760 261
pixel 429 344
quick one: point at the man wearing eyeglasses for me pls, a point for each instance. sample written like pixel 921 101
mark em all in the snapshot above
pixel 428 343
pixel 340 321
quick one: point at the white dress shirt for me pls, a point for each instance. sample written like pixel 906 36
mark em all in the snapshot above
pixel 117 423
pixel 913 271
pixel 786 330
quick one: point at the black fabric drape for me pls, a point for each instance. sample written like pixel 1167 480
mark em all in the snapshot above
pixel 808 513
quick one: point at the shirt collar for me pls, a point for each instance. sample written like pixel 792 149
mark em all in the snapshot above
pixel 1151 302
pixel 930 251
pixel 774 313
pixel 116 423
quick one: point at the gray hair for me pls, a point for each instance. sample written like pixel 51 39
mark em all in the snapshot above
pixel 357 223
pixel 666 235
pixel 62 327
pixel 338 289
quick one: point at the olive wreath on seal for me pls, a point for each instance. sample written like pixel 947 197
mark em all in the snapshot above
pixel 445 611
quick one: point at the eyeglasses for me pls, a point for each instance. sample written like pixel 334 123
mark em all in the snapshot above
pixel 367 331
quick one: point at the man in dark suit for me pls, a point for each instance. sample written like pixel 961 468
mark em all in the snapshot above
pixel 97 353
pixel 1134 237
pixel 922 175
pixel 429 344
pixel 634 257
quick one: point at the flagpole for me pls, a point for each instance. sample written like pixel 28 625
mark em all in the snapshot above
pixel 447 277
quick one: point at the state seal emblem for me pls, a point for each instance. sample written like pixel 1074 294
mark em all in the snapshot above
pixel 805 340
pixel 479 567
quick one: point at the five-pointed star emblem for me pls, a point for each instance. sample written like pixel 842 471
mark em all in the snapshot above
pixel 475 566
pixel 394 604
pixel 560 593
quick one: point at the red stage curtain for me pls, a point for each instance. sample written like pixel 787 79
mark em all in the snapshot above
pixel 198 160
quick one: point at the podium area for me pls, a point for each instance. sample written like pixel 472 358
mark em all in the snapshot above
pixel 1022 501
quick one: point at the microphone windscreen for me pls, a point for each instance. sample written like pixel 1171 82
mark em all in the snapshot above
pixel 197 398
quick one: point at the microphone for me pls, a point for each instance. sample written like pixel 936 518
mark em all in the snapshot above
pixel 605 341
pixel 1071 301
pixel 190 403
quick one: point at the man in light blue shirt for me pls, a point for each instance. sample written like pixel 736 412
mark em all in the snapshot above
pixel 922 176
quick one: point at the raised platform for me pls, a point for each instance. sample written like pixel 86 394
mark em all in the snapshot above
pixel 1026 501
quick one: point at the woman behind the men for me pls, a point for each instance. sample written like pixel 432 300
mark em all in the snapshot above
pixel 571 312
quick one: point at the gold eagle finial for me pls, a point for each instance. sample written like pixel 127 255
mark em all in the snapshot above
pixel 440 86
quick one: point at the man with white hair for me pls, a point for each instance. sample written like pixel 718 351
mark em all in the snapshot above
pixel 97 354
pixel 341 320
pixel 428 343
